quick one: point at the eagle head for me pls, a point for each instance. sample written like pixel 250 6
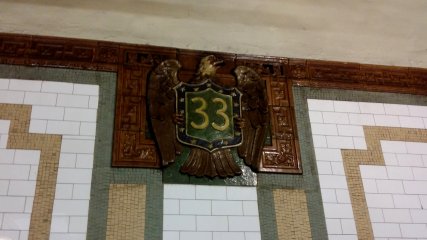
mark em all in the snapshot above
pixel 208 66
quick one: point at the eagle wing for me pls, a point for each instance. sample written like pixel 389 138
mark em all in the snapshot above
pixel 161 106
pixel 255 115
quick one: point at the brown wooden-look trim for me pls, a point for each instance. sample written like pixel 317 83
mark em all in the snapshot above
pixel 132 63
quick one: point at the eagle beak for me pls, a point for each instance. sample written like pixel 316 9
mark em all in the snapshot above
pixel 218 63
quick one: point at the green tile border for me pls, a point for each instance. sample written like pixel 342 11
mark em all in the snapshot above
pixel 103 175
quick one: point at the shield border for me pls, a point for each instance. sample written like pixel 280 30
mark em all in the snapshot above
pixel 200 143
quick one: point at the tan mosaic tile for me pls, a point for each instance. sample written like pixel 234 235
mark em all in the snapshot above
pixel 291 214
pixel 50 147
pixel 372 156
pixel 126 211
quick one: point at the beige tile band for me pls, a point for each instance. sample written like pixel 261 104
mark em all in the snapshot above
pixel 372 156
pixel 50 147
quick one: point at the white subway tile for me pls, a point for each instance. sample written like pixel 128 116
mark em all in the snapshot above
pixel 14 172
pixel 250 208
pixel 425 160
pixel 360 143
pixel 67 160
pixel 1 216
pixel 195 235
pixel 331 181
pixel 33 172
pixel 373 172
pixel 337 118
pixel 64 191
pixel 170 206
pixel 418 111
pixel 419 215
pixel 337 168
pixel 57 87
pixel 374 108
pixel 340 142
pixel 25 85
pixel 22 188
pixel 370 185
pixel 324 129
pixel 315 117
pixel 319 141
pixel 3 141
pixel 401 173
pixel 59 224
pixel 350 130
pixel 66 100
pixel 70 175
pixel 386 121
pixel 170 235
pixel 348 226
pixel 67 236
pixel 31 157
pixel 425 122
pixel 320 105
pixel 14 97
pixel 246 224
pixel 86 89
pixel 379 200
pixel 179 191
pixel 420 173
pixel 328 195
pixel 414 230
pixel 12 204
pixel 9 234
pixel 28 204
pixel 36 98
pixel 415 187
pixel 326 154
pixel 228 236
pixel 241 193
pixel 334 210
pixel 416 147
pixel 93 102
pixel 84 161
pixel 343 196
pixel 396 109
pixel 411 122
pixel 361 119
pixel 324 168
pixel 4 126
pixel 16 221
pixel 70 207
pixel 252 235
pixel 78 224
pixel 390 186
pixel 386 230
pixel 212 223
pixel 179 223
pixel 77 146
pixel 38 126
pixel 344 106
pixel 397 215
pixel 63 127
pixel 410 160
pixel 4 84
pixel 393 146
pixel 333 226
pixel 23 235
pixel 88 129
pixel 4 186
pixel 376 215
pixel 81 191
pixel 195 207
pixel 390 159
pixel 406 201
pixel 6 156
pixel 80 114
pixel 45 112
pixel 227 208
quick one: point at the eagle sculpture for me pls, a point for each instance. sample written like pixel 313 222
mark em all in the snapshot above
pixel 250 124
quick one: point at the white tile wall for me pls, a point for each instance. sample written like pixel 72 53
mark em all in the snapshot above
pixel 210 212
pixel 57 108
pixel 396 194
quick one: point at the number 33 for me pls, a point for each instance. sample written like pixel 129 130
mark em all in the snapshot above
pixel 220 112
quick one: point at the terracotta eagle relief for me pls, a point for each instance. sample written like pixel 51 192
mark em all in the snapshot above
pixel 207 124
